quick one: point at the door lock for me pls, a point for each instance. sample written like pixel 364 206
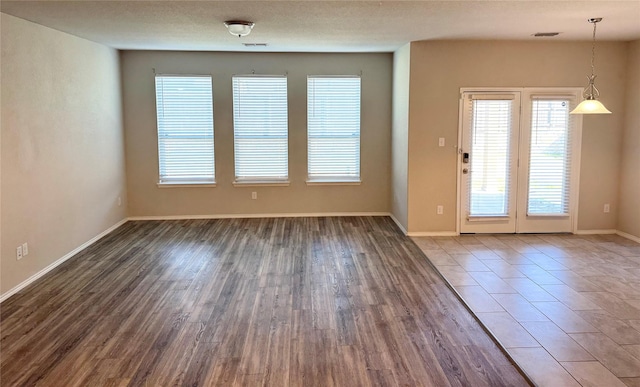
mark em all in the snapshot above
pixel 465 158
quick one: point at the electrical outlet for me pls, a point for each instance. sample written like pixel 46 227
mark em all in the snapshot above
pixel 254 195
pixel 440 210
pixel 607 208
pixel 25 249
pixel 119 201
pixel 441 141
pixel 19 253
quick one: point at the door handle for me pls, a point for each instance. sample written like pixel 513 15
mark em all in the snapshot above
pixel 465 170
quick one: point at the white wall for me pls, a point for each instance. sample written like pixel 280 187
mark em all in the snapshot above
pixel 62 145
pixel 146 199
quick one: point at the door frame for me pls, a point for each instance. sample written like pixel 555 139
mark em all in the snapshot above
pixel 525 93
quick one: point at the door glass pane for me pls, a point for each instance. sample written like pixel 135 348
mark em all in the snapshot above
pixel 490 158
pixel 549 158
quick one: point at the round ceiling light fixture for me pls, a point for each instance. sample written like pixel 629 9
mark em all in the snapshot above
pixel 239 28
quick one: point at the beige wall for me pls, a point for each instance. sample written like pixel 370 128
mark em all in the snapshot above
pixel 63 152
pixel 62 145
pixel 400 135
pixel 629 213
pixel 440 68
pixel 146 199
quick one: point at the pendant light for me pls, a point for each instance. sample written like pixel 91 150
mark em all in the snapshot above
pixel 591 105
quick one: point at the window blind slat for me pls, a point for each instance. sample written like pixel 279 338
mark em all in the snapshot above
pixel 260 126
pixel 184 106
pixel 549 157
pixel 333 128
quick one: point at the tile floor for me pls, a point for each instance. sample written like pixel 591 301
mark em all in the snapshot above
pixel 565 307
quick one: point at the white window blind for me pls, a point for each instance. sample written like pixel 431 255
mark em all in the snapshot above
pixel 549 157
pixel 490 161
pixel 184 107
pixel 260 127
pixel 333 128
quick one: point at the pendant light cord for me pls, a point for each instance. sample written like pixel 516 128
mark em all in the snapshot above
pixel 593 50
pixel 591 92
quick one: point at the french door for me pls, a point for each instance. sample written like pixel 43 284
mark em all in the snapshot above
pixel 519 155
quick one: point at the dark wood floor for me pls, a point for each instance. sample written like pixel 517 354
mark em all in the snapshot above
pixel 247 302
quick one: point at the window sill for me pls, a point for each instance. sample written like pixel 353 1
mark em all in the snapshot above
pixel 548 215
pixel 187 185
pixel 333 182
pixel 488 218
pixel 262 183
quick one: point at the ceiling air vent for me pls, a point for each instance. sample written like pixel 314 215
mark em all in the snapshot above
pixel 545 34
pixel 255 44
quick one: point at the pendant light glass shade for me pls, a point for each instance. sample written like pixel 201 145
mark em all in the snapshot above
pixel 591 105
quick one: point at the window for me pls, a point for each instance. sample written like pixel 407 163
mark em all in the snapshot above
pixel 260 128
pixel 184 107
pixel 333 128
pixel 490 141
pixel 549 157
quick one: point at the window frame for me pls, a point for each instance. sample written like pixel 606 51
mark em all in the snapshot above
pixel 279 126
pixel 312 108
pixel 168 181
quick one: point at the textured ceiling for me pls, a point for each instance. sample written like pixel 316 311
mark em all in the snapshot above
pixel 326 26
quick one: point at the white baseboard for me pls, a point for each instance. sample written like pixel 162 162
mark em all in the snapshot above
pixel 88 243
pixel 59 261
pixel 397 222
pixel 596 232
pixel 239 216
pixel 628 236
pixel 433 233
pixel 609 232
